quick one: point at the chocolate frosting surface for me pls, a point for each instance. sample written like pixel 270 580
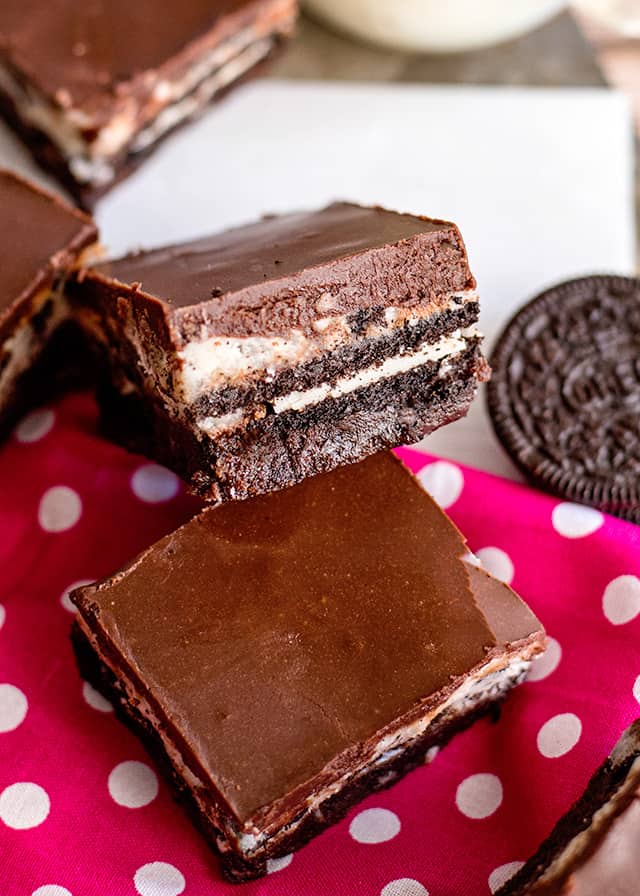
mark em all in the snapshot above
pixel 80 51
pixel 41 235
pixel 291 270
pixel 278 632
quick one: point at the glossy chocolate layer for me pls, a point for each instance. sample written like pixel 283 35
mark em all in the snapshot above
pixel 290 271
pixel 41 237
pixel 322 617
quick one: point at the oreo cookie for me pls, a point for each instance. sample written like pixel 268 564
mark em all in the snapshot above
pixel 564 398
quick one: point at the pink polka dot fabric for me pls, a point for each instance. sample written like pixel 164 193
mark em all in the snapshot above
pixel 82 810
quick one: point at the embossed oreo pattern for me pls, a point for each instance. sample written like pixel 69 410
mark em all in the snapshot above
pixel 565 393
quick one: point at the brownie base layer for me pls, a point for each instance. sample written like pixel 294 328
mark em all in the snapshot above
pixel 236 868
pixel 601 788
pixel 49 157
pixel 282 449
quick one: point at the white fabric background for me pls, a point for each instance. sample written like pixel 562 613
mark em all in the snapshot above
pixel 540 182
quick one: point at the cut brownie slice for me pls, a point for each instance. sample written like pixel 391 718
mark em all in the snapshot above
pixel 92 87
pixel 272 352
pixel 42 237
pixel 594 850
pixel 283 657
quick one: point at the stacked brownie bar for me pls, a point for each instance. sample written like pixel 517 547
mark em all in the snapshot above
pixel 283 655
pixel 249 360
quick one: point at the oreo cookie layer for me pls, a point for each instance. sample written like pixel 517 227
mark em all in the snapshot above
pixel 564 398
pixel 281 450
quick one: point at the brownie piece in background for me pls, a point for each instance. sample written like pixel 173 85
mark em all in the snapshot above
pixel 42 239
pixel 283 657
pixel 594 850
pixel 93 87
pixel 249 360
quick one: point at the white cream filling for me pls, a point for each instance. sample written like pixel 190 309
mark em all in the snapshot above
pixel 212 361
pixel 90 162
pixel 486 684
pixel 446 348
pixel 62 127
pixel 25 345
pixel 213 425
pixel 209 363
pixel 181 110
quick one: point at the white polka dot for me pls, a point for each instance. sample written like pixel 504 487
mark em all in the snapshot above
pixel 35 425
pixel 159 879
pixel 133 784
pixel 65 600
pixel 575 520
pixel 279 864
pixel 154 484
pixel 374 826
pixel 559 735
pixel 499 876
pixel 3 615
pixel 636 689
pixel 13 707
pixel 404 886
pixel 443 481
pixel 51 890
pixel 621 600
pixel 60 509
pixel 24 805
pixel 546 663
pixel 95 699
pixel 478 796
pixel 497 562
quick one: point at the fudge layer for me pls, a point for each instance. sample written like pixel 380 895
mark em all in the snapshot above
pixel 284 656
pixel 594 850
pixel 92 87
pixel 42 238
pixel 271 352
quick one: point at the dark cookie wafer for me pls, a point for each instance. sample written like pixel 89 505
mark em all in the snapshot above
pixel 565 393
